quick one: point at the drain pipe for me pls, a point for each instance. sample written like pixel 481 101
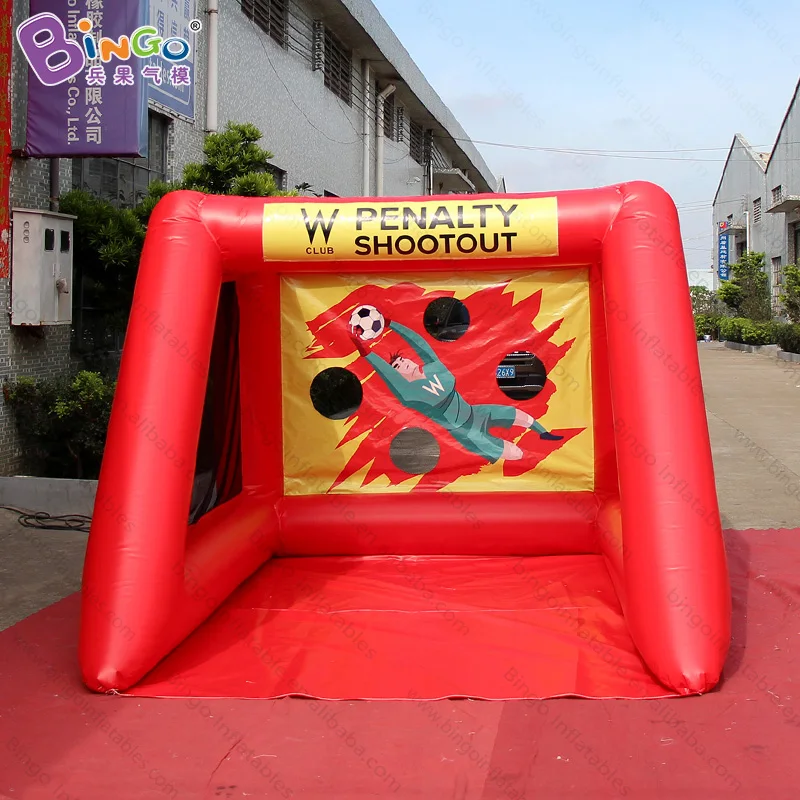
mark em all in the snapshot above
pixel 366 81
pixel 381 137
pixel 212 85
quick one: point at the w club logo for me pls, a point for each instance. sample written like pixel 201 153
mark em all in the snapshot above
pixel 434 386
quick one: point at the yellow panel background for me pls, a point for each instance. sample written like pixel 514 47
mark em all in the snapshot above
pixel 311 458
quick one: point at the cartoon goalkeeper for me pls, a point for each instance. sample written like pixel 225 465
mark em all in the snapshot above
pixel 430 388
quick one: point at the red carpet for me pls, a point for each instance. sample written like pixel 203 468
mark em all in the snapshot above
pixel 59 741
pixel 429 627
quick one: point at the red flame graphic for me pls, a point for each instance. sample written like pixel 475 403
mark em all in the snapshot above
pixel 497 328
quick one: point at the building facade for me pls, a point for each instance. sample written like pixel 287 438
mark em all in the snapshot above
pixel 321 80
pixel 757 204
pixel 309 74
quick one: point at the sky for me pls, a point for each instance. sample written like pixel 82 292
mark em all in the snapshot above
pixel 667 85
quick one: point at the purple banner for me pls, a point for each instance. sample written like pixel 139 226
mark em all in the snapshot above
pixel 102 111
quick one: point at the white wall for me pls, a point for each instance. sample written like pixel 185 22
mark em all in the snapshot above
pixel 316 137
pixel 744 180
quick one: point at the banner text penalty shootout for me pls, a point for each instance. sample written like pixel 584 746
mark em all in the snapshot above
pixel 448 232
pixel 438 229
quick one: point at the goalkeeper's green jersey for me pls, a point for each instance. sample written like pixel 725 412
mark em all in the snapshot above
pixel 435 395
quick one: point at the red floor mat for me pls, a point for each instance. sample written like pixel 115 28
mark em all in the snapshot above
pixel 60 742
pixel 424 627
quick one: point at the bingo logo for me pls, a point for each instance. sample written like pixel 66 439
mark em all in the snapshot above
pixel 55 58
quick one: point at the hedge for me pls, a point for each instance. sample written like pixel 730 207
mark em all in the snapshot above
pixel 61 423
pixel 745 331
pixel 788 337
pixel 707 325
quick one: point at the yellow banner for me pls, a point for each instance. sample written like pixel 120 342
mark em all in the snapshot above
pixel 438 229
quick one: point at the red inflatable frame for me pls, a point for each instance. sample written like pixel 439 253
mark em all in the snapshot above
pixel 664 552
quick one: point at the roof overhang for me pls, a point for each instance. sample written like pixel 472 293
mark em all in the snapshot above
pixel 452 180
pixel 736 228
pixel 786 205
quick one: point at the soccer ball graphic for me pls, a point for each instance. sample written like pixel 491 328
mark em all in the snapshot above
pixel 367 322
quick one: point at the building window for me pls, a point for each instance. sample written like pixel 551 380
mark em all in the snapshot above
pixel 338 68
pixel 270 15
pixel 777 272
pixel 740 249
pixel 389 116
pixel 796 255
pixel 124 181
pixel 756 210
pixel 416 142
pixel 777 195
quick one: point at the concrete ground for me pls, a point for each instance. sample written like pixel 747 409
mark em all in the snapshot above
pixel 753 404
pixel 753 409
pixel 37 568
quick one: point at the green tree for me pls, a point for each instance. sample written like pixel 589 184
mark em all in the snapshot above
pixel 109 240
pixel 790 297
pixel 155 192
pixel 747 293
pixel 108 243
pixel 704 301
pixel 234 164
pixel 731 294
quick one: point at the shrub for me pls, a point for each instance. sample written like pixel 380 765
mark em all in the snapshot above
pixel 789 338
pixel 730 329
pixel 62 423
pixel 758 333
pixel 745 331
pixel 707 325
pixel 790 297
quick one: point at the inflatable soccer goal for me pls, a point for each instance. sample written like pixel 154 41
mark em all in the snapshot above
pixel 410 447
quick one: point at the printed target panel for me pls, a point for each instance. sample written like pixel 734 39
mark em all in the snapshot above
pixel 475 383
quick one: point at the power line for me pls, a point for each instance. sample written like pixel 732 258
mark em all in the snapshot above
pixel 574 151
pixel 625 154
